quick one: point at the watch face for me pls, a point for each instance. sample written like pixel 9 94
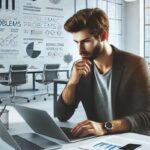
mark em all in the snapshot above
pixel 108 125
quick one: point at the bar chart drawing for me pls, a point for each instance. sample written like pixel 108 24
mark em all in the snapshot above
pixel 9 5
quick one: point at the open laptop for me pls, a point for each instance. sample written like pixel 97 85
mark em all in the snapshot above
pixel 41 122
pixel 27 141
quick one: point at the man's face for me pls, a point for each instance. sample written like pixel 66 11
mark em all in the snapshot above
pixel 89 47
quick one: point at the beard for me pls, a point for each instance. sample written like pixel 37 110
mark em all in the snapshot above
pixel 96 52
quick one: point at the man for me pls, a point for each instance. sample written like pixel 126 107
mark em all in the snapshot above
pixel 113 86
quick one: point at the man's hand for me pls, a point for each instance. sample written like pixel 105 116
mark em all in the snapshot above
pixel 81 67
pixel 88 127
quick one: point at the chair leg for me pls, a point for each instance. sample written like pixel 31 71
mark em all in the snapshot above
pixel 13 94
pixel 13 88
pixel 47 93
pixel 1 100
pixel 34 98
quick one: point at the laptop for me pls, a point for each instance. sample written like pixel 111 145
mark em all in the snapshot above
pixel 27 141
pixel 41 122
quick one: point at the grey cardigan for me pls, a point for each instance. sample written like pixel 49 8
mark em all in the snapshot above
pixel 130 92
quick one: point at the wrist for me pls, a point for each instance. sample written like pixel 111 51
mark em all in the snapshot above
pixel 117 126
pixel 108 126
pixel 71 83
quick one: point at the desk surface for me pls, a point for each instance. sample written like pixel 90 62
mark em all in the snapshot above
pixel 131 137
pixel 18 125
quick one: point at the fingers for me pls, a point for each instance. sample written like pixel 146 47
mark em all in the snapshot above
pixel 82 129
pixel 86 132
pixel 88 127
pixel 79 125
pixel 83 67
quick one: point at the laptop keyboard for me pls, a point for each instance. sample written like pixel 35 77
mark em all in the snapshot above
pixel 25 144
pixel 67 131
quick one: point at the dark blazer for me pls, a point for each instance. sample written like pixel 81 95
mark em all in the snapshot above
pixel 130 92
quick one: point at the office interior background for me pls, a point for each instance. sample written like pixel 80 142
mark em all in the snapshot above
pixel 31 32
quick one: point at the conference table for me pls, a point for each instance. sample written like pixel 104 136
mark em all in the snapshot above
pixel 35 71
pixel 3 73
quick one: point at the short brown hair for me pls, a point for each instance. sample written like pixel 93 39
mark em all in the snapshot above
pixel 95 20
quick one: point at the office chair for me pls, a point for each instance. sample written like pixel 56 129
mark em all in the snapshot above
pixel 48 75
pixel 3 80
pixel 17 76
pixel 1 66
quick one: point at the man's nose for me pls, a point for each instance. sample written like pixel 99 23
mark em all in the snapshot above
pixel 81 46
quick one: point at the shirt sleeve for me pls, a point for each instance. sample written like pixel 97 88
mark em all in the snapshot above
pixel 140 118
pixel 64 111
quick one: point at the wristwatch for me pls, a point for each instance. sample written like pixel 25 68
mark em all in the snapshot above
pixel 108 126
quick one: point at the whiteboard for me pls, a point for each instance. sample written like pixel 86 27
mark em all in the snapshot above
pixel 31 31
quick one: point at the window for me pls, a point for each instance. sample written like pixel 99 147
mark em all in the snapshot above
pixel 147 30
pixel 114 9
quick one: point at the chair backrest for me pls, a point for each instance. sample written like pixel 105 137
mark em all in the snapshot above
pixel 2 66
pixel 50 72
pixel 18 74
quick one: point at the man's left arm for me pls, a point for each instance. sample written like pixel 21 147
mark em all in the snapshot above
pixel 140 84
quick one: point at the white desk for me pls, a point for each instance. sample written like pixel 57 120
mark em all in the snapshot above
pixel 17 128
pixel 17 125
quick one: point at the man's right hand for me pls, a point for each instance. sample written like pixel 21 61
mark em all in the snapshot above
pixel 80 67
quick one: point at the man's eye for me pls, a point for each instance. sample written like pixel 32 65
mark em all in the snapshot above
pixel 87 41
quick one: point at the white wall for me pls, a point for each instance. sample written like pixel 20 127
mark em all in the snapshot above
pixel 133 31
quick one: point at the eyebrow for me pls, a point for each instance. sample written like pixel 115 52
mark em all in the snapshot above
pixel 84 40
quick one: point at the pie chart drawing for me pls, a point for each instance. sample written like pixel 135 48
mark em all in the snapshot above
pixel 31 52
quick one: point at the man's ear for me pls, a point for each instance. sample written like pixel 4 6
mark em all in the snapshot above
pixel 104 36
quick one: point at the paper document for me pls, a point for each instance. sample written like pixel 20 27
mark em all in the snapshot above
pixel 114 143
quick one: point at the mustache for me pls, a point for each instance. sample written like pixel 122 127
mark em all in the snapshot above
pixel 84 53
